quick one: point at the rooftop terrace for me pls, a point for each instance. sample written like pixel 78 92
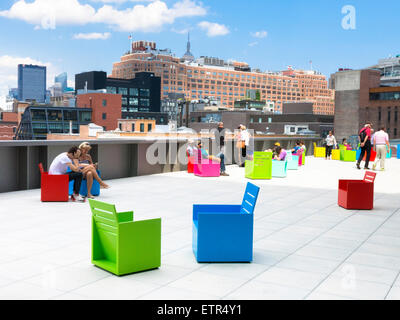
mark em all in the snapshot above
pixel 305 246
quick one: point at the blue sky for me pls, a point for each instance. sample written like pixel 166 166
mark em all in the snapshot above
pixel 267 34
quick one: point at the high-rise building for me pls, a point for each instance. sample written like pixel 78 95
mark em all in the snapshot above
pixel 62 79
pixel 390 71
pixel 32 83
pixel 227 82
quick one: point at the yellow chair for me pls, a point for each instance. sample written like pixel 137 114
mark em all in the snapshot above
pixel 336 154
pixel 319 152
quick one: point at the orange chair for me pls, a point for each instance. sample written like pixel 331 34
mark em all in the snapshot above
pixel 357 194
pixel 54 188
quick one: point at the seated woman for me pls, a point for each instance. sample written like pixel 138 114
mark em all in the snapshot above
pixel 347 146
pixel 281 154
pixel 89 170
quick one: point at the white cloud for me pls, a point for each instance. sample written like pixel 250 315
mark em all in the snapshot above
pixel 47 14
pixel 92 36
pixel 259 34
pixel 214 29
pixel 253 44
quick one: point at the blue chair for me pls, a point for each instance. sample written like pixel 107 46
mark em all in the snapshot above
pixel 84 192
pixel 398 151
pixel 224 233
pixel 279 169
pixel 293 161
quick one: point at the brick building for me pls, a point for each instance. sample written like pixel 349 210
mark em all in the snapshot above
pixel 8 125
pixel 224 81
pixel 106 108
pixel 142 126
pixel 359 98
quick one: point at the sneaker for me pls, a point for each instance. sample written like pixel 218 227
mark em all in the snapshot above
pixel 366 168
pixel 224 174
pixel 358 166
pixel 79 198
pixel 383 169
pixel 374 167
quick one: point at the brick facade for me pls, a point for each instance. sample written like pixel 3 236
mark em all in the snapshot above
pixel 106 108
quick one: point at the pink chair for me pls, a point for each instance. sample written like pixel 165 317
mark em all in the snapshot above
pixel 300 154
pixel 206 167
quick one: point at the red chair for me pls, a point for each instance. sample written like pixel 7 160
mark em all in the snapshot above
pixel 190 166
pixel 357 194
pixel 54 188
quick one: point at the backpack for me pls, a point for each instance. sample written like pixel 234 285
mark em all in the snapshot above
pixel 362 135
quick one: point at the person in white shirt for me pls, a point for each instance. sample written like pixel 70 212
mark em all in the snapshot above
pixel 330 144
pixel 60 165
pixel 381 146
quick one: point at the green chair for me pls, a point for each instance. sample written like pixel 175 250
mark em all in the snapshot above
pixel 347 155
pixel 260 167
pixel 120 245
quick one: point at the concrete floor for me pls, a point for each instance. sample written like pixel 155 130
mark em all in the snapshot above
pixel 305 246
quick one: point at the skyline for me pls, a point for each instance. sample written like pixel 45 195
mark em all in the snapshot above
pixel 93 34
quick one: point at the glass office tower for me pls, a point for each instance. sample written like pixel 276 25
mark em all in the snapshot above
pixel 63 80
pixel 32 83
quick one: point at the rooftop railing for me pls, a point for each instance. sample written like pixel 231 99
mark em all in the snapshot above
pixel 117 158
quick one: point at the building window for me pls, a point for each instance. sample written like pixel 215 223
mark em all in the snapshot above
pixel 112 90
pixel 379 113
pixel 133 101
pixel 145 92
pixel 120 126
pixel 124 101
pixel 145 102
pixel 142 127
pixel 388 116
pixel 104 116
pixel 104 103
pixel 123 91
pixel 395 132
pixel 134 92
pixel 133 127
pixel 149 127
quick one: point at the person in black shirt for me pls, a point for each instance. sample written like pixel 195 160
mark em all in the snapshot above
pixel 221 153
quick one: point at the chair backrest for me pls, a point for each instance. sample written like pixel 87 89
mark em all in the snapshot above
pixel 250 199
pixel 41 168
pixel 105 218
pixel 369 177
pixel 315 145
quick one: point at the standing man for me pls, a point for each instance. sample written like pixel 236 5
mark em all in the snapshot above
pixel 60 165
pixel 221 154
pixel 365 142
pixel 381 146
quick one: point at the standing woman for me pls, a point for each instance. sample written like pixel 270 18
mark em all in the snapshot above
pixel 89 169
pixel 330 144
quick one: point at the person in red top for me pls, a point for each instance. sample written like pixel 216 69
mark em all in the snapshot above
pixel 365 142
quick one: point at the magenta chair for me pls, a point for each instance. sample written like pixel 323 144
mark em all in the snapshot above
pixel 206 167
pixel 300 154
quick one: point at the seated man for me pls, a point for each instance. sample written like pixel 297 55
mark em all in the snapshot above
pixel 60 165
pixel 220 158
